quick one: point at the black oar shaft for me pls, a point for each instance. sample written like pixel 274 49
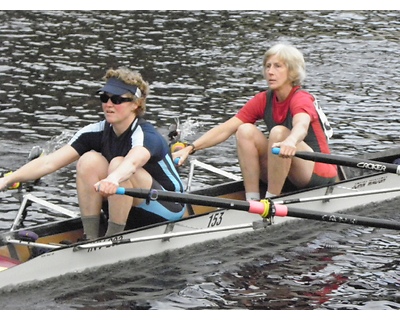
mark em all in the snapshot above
pixel 346 161
pixel 343 218
pixel 337 196
pixel 351 162
pixel 186 198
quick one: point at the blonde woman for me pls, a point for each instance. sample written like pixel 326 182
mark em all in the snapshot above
pixel 293 125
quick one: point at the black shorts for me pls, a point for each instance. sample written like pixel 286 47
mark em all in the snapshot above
pixel 151 212
pixel 317 181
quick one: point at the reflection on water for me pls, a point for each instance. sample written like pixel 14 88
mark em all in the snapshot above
pixel 202 67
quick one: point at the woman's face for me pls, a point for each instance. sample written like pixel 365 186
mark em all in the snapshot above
pixel 276 73
pixel 120 111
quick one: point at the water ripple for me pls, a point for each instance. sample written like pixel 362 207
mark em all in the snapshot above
pixel 202 66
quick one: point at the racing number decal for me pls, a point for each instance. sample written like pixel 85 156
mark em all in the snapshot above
pixel 215 219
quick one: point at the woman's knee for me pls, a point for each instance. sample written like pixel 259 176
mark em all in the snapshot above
pixel 90 161
pixel 246 131
pixel 278 133
pixel 142 179
pixel 248 135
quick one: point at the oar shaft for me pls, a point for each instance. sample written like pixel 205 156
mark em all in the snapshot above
pixel 346 161
pixel 342 218
pixel 258 207
pixel 337 196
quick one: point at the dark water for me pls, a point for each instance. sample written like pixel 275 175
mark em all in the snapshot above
pixel 202 67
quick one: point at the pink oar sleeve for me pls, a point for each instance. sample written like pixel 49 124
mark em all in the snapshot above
pixel 281 210
pixel 259 207
pixel 256 207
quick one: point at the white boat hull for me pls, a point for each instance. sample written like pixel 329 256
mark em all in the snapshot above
pixel 190 231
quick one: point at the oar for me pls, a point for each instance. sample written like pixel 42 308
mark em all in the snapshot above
pixel 346 161
pixel 337 196
pixel 265 208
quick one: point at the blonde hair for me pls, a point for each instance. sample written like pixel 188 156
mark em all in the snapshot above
pixel 131 77
pixel 293 60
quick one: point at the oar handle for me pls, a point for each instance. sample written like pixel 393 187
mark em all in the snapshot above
pixel 276 150
pixel 36 152
pixel 16 185
pixel 120 190
pixel 346 161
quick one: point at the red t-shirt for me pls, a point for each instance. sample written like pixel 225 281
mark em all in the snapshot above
pixel 297 102
pixel 254 109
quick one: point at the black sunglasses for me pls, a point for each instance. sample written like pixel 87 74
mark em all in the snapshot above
pixel 104 97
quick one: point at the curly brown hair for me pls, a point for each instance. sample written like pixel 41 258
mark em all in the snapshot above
pixel 131 77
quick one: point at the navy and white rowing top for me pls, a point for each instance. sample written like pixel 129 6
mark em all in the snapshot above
pixel 101 137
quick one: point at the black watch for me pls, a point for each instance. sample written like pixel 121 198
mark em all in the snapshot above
pixel 193 148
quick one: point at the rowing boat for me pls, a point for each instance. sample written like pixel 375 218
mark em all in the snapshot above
pixel 54 249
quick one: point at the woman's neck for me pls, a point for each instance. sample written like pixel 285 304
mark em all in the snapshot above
pixel 120 127
pixel 283 92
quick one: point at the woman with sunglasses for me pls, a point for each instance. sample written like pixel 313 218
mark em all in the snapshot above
pixel 123 150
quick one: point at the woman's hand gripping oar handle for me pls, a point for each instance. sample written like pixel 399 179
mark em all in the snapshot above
pixel 36 152
pixel 15 185
pixel 346 161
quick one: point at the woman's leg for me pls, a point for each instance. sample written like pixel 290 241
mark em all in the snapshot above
pixel 252 149
pixel 119 206
pixel 298 171
pixel 91 168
